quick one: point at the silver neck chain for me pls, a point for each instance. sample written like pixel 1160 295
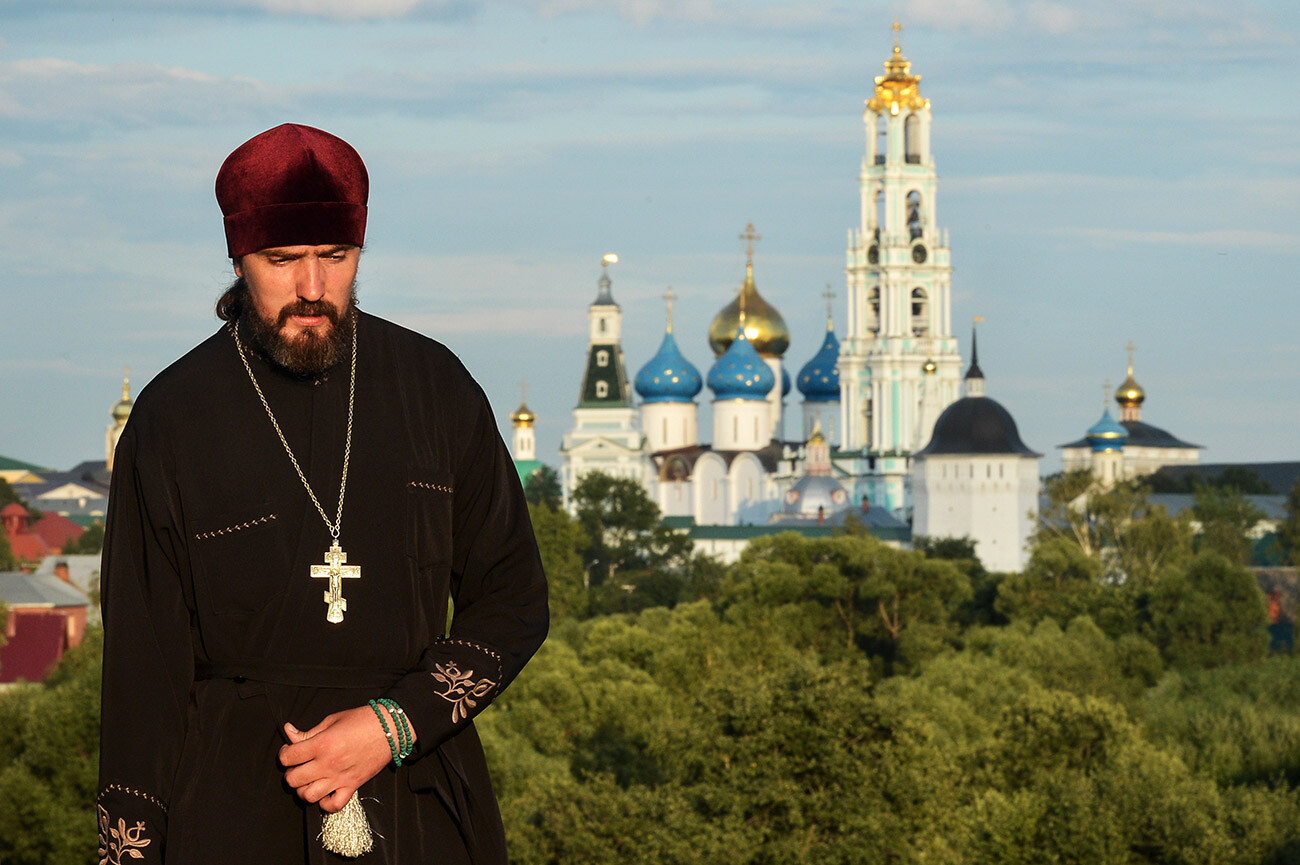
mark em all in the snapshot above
pixel 335 526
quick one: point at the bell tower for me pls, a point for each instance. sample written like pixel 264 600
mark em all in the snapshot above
pixel 899 361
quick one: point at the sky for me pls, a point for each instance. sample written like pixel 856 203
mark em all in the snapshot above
pixel 1109 171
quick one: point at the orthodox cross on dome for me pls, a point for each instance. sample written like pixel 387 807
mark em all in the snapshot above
pixel 1105 396
pixel 669 297
pixel 749 237
pixel 898 29
pixel 523 390
pixel 1130 348
pixel 830 315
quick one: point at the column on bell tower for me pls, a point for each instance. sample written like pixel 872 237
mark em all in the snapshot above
pixel 899 361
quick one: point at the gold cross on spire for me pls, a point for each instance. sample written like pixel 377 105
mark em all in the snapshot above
pixel 830 316
pixel 749 237
pixel 523 390
pixel 669 297
pixel 1105 396
pixel 898 29
pixel 1130 348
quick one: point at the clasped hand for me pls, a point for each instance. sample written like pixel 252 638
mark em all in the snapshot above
pixel 329 762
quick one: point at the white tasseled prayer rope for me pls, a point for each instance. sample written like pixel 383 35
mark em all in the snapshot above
pixel 347 832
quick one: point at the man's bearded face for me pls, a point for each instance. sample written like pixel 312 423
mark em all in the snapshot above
pixel 301 303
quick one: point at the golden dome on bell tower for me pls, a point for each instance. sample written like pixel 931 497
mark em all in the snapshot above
pixel 898 88
pixel 1130 394
pixel 523 416
pixel 764 326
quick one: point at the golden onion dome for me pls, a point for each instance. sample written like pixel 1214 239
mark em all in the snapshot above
pixel 523 416
pixel 1130 393
pixel 764 326
pixel 122 408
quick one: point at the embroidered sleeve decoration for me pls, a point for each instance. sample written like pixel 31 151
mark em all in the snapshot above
pixel 118 841
pixel 462 689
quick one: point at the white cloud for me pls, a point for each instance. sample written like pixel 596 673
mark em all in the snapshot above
pixel 981 16
pixel 734 14
pixel 64 93
pixel 348 10
pixel 340 8
pixel 1214 239
pixel 1054 18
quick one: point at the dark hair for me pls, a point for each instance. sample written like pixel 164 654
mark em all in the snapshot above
pixel 231 304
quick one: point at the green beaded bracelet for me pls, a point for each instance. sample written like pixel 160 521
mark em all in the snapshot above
pixel 406 736
pixel 392 746
pixel 403 748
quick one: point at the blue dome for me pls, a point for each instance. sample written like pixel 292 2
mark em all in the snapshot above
pixel 741 373
pixel 1106 434
pixel 819 380
pixel 668 376
pixel 785 382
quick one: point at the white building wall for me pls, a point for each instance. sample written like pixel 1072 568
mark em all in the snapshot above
pixel 986 498
pixel 712 496
pixel 741 424
pixel 669 425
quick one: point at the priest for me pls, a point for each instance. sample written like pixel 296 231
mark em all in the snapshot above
pixel 319 566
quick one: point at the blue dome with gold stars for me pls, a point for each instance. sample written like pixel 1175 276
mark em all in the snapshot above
pixel 1106 434
pixel 668 376
pixel 819 380
pixel 740 373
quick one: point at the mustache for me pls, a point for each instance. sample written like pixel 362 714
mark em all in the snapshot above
pixel 309 307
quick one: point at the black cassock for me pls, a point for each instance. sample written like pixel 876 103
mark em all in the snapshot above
pixel 215 631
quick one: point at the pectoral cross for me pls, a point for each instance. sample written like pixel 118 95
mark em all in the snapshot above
pixel 335 571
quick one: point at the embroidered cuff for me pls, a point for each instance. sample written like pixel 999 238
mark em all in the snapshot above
pixel 459 678
pixel 132 826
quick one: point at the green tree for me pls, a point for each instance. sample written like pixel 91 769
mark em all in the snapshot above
pixel 1288 530
pixel 897 605
pixel 1209 614
pixel 623 531
pixel 8 495
pixel 1117 526
pixel 543 488
pixel 981 609
pixel 89 542
pixel 1226 515
pixel 8 561
pixel 49 748
pixel 1060 582
pixel 560 540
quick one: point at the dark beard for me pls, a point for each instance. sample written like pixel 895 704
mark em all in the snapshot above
pixel 309 353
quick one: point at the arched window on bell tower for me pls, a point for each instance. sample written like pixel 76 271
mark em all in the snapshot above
pixel 912 139
pixel 914 227
pixel 873 300
pixel 920 312
pixel 880 211
pixel 882 138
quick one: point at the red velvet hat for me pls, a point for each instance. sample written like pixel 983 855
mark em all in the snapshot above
pixel 292 185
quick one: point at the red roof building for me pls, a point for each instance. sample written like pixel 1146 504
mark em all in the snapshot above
pixel 56 531
pixel 46 617
pixel 27 546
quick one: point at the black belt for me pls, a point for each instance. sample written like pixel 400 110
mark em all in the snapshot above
pixel 300 675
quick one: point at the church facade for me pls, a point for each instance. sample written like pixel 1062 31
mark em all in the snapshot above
pixel 872 398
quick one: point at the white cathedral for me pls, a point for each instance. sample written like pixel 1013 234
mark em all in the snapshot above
pixel 869 404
